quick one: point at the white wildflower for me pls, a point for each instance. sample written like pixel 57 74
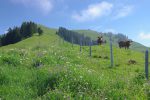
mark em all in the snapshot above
pixel 81 77
pixel 67 62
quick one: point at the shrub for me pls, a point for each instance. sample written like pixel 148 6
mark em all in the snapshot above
pixel 40 31
pixel 11 60
pixel 46 82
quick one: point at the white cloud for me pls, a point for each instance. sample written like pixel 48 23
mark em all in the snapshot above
pixel 143 35
pixel 123 12
pixel 44 6
pixel 93 11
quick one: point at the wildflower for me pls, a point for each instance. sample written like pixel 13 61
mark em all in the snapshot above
pixel 74 69
pixel 11 49
pixel 44 52
pixel 21 62
pixel 97 89
pixel 75 79
pixel 89 71
pixel 81 77
pixel 65 75
pixel 87 83
pixel 21 59
pixel 67 62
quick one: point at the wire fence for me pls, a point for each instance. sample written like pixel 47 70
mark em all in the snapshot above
pixel 114 58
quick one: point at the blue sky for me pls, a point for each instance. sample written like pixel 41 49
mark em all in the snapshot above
pixel 130 17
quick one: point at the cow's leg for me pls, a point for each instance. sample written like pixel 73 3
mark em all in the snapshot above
pixel 127 47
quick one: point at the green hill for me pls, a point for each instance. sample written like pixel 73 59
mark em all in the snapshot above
pixel 93 34
pixel 47 68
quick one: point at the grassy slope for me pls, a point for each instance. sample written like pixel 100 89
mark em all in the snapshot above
pixel 66 73
pixel 93 34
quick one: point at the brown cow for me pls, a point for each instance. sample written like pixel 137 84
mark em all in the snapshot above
pixel 126 44
pixel 100 40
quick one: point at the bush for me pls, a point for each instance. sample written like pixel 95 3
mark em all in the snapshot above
pixel 46 82
pixel 11 60
pixel 40 31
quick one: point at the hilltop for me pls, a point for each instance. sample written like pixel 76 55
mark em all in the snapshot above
pixel 47 67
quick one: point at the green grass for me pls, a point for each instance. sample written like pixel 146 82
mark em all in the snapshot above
pixel 44 67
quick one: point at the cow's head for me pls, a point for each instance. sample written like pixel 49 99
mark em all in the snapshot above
pixel 100 39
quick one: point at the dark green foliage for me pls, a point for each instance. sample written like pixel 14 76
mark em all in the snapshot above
pixel 27 29
pixel 11 37
pixel 73 37
pixel 16 34
pixel 40 31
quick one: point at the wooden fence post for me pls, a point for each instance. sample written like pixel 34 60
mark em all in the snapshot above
pixel 146 64
pixel 80 45
pixel 60 40
pixel 111 52
pixel 90 47
pixel 63 40
pixel 72 41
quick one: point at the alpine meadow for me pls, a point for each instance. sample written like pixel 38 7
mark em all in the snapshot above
pixel 74 50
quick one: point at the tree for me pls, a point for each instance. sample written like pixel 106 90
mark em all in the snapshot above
pixel 40 31
pixel 23 30
pixel 70 36
pixel 16 37
pixel 28 29
pixel 16 34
